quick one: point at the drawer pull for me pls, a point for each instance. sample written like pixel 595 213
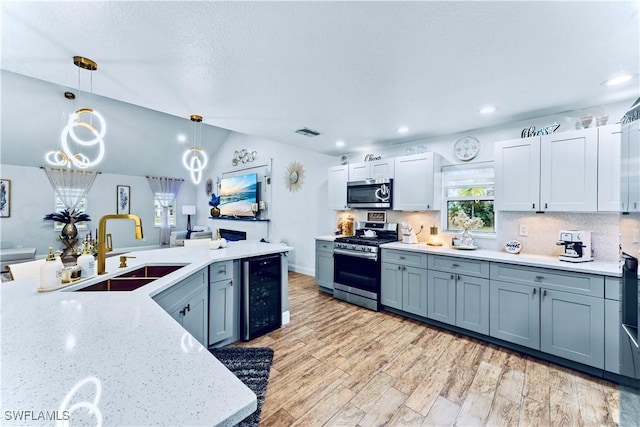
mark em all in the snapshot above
pixel 535 290
pixel 401 257
pixel 539 278
pixel 455 265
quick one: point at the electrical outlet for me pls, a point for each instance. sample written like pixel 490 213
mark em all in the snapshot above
pixel 523 230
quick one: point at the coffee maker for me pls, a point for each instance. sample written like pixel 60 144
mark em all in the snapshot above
pixel 577 245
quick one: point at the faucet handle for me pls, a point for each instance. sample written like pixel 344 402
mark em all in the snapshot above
pixel 123 261
pixel 108 242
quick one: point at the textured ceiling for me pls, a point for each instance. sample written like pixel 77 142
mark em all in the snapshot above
pixel 355 71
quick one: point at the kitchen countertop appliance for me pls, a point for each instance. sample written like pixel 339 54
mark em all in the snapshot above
pixel 356 271
pixel 577 245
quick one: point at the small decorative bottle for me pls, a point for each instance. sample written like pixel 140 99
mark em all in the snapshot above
pixel 51 272
pixel 86 262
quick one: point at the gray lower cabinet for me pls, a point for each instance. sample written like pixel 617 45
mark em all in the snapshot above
pixel 515 313
pixel 187 303
pixel 221 301
pixel 472 303
pixel 530 310
pixel 324 264
pixel 572 326
pixel 612 322
pixel 459 299
pixel 404 283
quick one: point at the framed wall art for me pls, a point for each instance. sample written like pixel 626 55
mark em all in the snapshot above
pixel 123 196
pixel 5 198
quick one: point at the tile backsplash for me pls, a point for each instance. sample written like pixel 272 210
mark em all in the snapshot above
pixel 543 230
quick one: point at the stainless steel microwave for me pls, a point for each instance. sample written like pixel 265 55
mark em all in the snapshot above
pixel 370 193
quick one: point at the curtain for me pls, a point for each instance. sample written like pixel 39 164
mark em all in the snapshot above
pixel 70 185
pixel 165 191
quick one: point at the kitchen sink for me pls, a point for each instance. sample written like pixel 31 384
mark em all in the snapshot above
pixel 132 280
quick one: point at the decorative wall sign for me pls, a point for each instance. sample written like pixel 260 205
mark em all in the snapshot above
pixel 376 216
pixel 243 156
pixel 294 177
pixel 123 199
pixel 5 198
pixel 371 157
pixel 547 130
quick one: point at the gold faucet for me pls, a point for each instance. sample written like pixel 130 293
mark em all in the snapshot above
pixel 102 237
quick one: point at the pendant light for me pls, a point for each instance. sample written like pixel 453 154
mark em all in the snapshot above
pixel 195 159
pixel 85 128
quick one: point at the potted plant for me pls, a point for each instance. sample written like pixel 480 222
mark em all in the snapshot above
pixel 69 218
pixel 462 220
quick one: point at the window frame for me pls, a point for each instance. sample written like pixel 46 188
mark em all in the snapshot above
pixel 157 220
pixel 59 206
pixel 486 197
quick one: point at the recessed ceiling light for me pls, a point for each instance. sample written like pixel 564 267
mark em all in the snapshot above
pixel 618 80
pixel 181 137
pixel 403 129
pixel 339 143
pixel 488 109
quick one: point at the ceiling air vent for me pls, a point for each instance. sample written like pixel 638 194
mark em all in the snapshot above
pixel 308 132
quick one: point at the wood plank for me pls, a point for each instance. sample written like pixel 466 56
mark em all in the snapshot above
pixel 406 417
pixel 534 413
pixel 594 409
pixel 537 381
pixel 427 391
pixel 348 416
pixel 504 412
pixel 443 412
pixel 475 409
pixel 279 418
pixel 373 391
pixel 457 385
pixel 384 409
pixel 403 361
pixel 510 385
pixel 325 409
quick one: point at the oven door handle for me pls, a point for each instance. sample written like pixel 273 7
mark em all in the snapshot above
pixel 367 255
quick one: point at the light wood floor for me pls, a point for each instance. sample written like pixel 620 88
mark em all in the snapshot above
pixel 336 364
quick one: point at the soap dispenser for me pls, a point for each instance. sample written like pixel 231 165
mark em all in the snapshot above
pixel 51 272
pixel 86 262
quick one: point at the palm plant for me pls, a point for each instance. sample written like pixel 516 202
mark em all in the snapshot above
pixel 67 217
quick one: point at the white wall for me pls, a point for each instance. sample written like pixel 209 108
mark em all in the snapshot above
pixel 296 217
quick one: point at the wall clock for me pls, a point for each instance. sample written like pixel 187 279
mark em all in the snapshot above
pixel 466 148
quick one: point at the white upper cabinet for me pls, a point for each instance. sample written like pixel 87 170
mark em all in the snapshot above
pixel 517 175
pixel 609 144
pixel 377 169
pixel 417 183
pixel 337 186
pixel 630 168
pixel 557 172
pixel 569 171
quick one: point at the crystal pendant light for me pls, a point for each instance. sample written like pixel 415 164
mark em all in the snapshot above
pixel 195 159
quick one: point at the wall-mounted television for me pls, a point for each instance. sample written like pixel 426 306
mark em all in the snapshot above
pixel 237 194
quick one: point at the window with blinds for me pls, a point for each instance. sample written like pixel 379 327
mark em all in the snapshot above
pixel 469 188
pixel 59 206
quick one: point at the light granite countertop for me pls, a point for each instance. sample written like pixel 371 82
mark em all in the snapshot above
pixel 116 358
pixel 532 260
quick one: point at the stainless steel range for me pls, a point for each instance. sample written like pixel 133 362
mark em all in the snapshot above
pixel 356 271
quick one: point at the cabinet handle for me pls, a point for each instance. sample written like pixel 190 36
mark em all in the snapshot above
pixel 401 257
pixel 185 309
pixel 451 277
pixel 230 282
pixel 533 205
pixel 545 206
pixel 535 290
pixel 399 267
pixel 404 268
pixel 455 265
pixel 539 278
pixel 544 293
pixel 458 277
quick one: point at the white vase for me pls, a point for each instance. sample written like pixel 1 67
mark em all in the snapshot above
pixel 467 239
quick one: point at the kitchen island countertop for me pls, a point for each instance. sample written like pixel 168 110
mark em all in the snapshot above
pixel 116 357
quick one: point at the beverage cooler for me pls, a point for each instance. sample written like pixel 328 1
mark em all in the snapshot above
pixel 261 295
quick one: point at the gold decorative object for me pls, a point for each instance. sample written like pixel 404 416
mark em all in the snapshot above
pixel 294 176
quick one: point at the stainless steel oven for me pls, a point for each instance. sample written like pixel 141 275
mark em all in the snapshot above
pixel 356 260
pixel 370 193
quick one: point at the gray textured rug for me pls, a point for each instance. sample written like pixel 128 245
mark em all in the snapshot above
pixel 251 365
